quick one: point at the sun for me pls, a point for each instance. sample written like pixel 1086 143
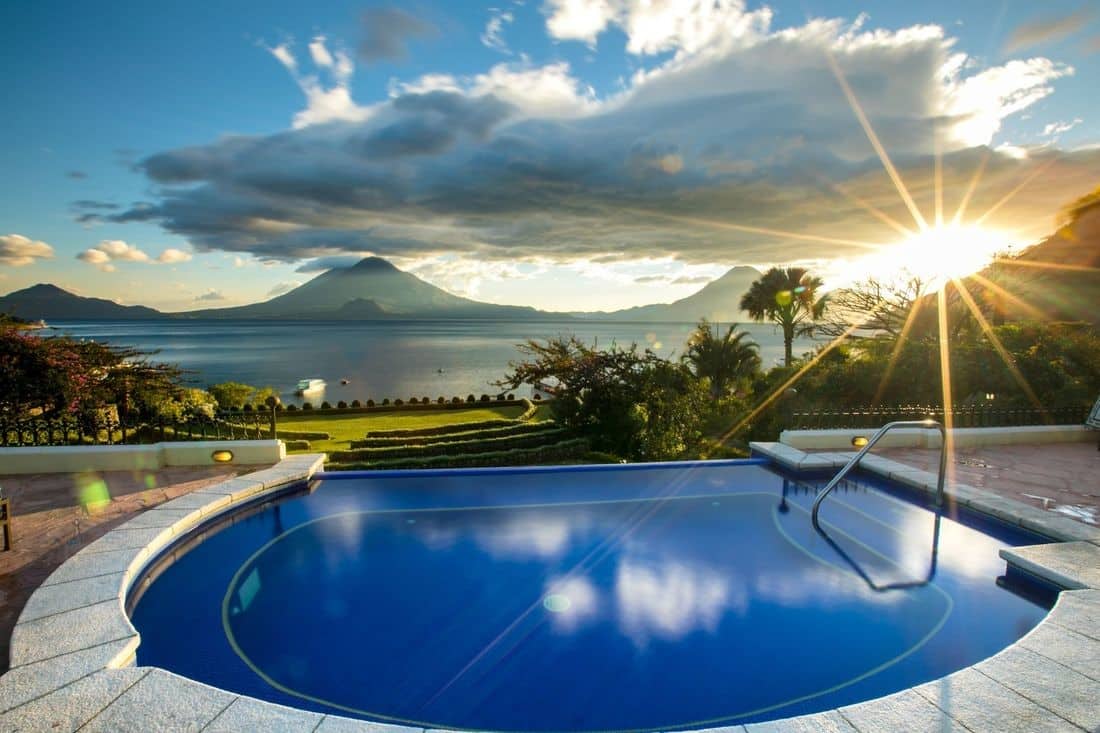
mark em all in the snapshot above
pixel 936 255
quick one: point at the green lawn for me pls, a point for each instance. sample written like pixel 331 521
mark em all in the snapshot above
pixel 345 428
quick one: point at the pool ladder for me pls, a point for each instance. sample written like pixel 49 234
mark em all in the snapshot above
pixel 927 424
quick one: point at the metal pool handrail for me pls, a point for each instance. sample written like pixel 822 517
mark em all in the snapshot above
pixel 928 424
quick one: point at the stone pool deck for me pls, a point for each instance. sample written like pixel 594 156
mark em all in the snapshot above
pixel 57 514
pixel 73 649
pixel 1063 478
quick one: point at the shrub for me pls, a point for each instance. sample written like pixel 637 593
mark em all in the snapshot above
pixel 385 401
pixel 471 398
pixel 538 397
pixel 292 408
pixel 356 403
pixel 342 405
pixel 297 444
pixel 413 401
pixel 486 398
pixel 456 400
pixel 425 400
pixel 500 398
pixel 398 402
pixel 279 407
pixel 510 398
pixel 442 400
pixel 370 403
pixel 307 406
pixel 326 405
pixel 247 407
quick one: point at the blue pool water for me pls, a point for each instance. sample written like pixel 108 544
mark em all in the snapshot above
pixel 623 598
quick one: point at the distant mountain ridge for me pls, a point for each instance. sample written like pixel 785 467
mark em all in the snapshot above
pixel 374 289
pixel 45 301
pixel 719 300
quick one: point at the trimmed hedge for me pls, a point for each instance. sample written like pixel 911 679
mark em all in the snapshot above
pixel 297 444
pixel 523 428
pixel 460 447
pixel 371 407
pixel 566 449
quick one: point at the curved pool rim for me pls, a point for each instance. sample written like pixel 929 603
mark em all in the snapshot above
pixel 45 667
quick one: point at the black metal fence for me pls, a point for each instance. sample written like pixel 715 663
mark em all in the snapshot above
pixel 104 430
pixel 978 416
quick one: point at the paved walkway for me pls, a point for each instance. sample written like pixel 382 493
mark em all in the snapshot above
pixel 57 514
pixel 1061 477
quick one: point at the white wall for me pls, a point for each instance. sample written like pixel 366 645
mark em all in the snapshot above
pixel 76 458
pixel 916 438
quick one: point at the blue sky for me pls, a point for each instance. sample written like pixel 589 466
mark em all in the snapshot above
pixel 559 153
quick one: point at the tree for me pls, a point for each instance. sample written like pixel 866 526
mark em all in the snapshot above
pixel 874 307
pixel 787 297
pixel 55 375
pixel 630 403
pixel 723 360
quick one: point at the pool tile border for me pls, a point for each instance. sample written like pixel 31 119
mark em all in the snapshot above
pixel 73 648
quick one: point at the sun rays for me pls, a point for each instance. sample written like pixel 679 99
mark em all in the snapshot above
pixel 950 249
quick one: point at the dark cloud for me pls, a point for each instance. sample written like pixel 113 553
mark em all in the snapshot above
pixel 692 280
pixel 752 158
pixel 387 32
pixel 432 123
pixel 91 205
pixel 77 175
pixel 210 295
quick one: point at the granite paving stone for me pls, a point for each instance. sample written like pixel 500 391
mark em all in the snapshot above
pixel 1076 651
pixel 63 597
pixel 123 539
pixel 1073 696
pixel 70 707
pixel 1078 611
pixel 338 724
pixel 829 722
pixel 22 684
pixel 249 714
pixel 982 704
pixel 161 518
pixel 70 631
pixel 904 711
pixel 162 701
pixel 1071 565
pixel 89 565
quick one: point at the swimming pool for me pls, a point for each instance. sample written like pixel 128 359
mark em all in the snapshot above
pixel 653 597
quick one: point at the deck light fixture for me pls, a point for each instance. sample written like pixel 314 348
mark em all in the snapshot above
pixel 859 441
pixel 222 456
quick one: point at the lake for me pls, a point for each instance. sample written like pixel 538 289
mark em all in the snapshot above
pixel 379 358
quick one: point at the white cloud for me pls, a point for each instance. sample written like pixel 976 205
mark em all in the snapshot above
pixel 656 26
pixel 172 256
pixel 981 102
pixel 320 54
pixel 110 251
pixel 19 251
pixel 493 35
pixel 327 92
pixel 737 133
pixel 283 287
pixel 209 295
pixel 1055 129
pixel 579 20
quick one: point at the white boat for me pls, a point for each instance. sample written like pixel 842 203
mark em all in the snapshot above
pixel 309 386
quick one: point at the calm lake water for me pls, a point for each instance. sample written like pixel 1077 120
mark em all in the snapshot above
pixel 380 359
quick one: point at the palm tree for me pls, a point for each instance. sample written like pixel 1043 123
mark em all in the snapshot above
pixel 788 297
pixel 723 360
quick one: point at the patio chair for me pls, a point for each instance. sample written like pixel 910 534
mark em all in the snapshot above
pixel 1093 420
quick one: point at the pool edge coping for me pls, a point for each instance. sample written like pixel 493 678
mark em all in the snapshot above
pixel 73 647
